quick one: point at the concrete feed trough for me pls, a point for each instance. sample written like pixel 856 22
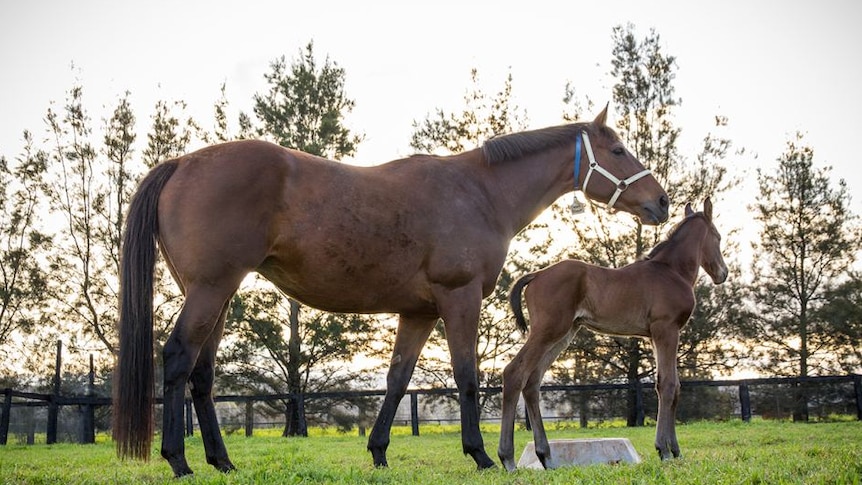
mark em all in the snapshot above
pixel 572 452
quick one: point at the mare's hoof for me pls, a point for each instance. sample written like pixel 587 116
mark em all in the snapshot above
pixel 182 472
pixel 379 458
pixel 180 467
pixel 223 465
pixel 483 461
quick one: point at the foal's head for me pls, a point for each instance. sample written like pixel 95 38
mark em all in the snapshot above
pixel 711 259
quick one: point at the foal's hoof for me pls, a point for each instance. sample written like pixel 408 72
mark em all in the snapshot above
pixel 508 464
pixel 667 454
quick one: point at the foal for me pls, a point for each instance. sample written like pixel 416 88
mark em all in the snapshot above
pixel 652 298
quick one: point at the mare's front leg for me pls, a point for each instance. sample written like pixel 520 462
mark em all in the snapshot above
pixel 460 311
pixel 201 380
pixel 409 340
pixel 665 345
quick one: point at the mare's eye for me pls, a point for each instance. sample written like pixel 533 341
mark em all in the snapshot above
pixel 618 150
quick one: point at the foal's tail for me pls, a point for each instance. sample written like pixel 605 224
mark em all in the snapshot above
pixel 515 300
pixel 134 374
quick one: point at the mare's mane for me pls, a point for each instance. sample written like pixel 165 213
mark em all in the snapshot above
pixel 672 240
pixel 518 145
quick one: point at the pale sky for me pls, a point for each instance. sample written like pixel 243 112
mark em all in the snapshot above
pixel 772 67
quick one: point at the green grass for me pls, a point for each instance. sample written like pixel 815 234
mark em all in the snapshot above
pixel 767 452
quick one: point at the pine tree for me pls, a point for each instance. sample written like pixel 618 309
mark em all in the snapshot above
pixel 808 238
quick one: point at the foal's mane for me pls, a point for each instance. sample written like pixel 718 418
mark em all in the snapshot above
pixel 517 145
pixel 672 239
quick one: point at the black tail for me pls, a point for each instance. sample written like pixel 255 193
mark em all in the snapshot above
pixel 515 300
pixel 134 375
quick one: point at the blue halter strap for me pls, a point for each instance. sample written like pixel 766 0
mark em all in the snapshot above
pixel 577 159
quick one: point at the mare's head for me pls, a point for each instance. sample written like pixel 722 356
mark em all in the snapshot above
pixel 617 178
pixel 711 259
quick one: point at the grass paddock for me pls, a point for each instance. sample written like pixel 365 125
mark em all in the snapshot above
pixel 768 452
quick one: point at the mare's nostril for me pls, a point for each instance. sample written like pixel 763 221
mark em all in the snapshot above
pixel 663 201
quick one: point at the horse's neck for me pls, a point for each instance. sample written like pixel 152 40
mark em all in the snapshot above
pixel 523 189
pixel 683 256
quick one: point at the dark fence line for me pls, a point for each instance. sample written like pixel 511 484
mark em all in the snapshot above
pixel 88 404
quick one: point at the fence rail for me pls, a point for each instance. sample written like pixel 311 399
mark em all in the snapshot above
pixel 87 405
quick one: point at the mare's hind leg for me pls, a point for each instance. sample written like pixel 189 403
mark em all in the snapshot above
pixel 409 340
pixel 201 390
pixel 665 345
pixel 195 325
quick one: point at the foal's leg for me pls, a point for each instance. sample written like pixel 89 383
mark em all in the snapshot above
pixel 665 345
pixel 202 384
pixel 514 377
pixel 460 311
pixel 553 345
pixel 409 340
pixel 196 322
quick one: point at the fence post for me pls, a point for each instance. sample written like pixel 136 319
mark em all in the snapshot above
pixel 88 420
pixel 745 402
pixel 857 386
pixel 4 420
pixel 414 413
pixel 249 417
pixel 53 403
pixel 190 427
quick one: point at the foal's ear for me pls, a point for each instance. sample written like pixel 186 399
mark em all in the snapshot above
pixel 707 208
pixel 688 210
pixel 602 118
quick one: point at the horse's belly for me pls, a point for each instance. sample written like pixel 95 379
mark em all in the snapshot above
pixel 334 289
pixel 621 327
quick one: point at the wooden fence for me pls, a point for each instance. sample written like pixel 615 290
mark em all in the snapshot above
pixel 86 405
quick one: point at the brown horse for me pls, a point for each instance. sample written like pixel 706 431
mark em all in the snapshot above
pixel 652 298
pixel 423 237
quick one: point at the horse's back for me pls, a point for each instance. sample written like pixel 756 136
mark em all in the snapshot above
pixel 335 236
pixel 616 301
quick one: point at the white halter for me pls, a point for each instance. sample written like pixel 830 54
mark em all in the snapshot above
pixel 621 185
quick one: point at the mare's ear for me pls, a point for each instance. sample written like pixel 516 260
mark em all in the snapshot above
pixel 602 118
pixel 707 208
pixel 688 210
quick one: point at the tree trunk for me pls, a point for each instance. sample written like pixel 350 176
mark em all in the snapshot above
pixel 800 409
pixel 294 410
pixel 634 398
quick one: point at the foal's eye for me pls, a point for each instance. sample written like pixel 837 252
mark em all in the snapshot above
pixel 618 150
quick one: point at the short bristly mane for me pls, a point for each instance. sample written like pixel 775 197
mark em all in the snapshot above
pixel 671 239
pixel 518 145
